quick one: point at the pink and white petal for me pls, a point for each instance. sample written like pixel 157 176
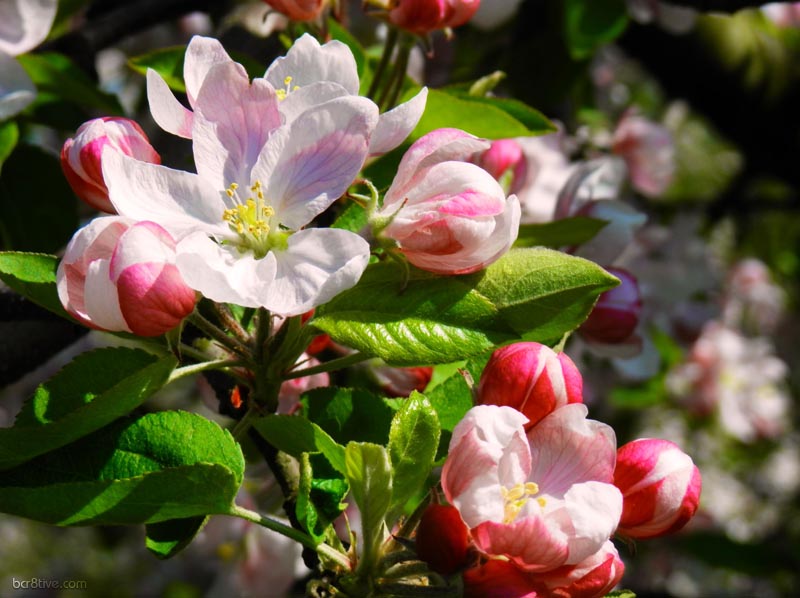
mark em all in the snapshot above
pixel 394 126
pixel 24 24
pixel 16 88
pixel 180 201
pixel 202 54
pixel 532 543
pixel 141 243
pixel 317 265
pixel 167 111
pixel 307 62
pixel 311 162
pixel 594 509
pixel 568 449
pixel 309 96
pixel 221 273
pixel 232 121
pixel 101 299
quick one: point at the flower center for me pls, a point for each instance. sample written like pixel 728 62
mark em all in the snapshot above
pixel 282 93
pixel 516 497
pixel 251 219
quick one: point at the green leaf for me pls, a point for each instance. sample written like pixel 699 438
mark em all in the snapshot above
pixel 56 74
pixel 296 435
pixel 167 62
pixel 9 135
pixel 168 538
pixel 38 211
pixel 483 117
pixel 33 275
pixel 320 495
pixel 352 218
pixel 90 392
pixel 153 468
pixel 413 441
pixel 451 399
pixel 535 122
pixel 369 473
pixel 559 233
pixel 621 594
pixel 590 24
pixel 349 414
pixel 529 294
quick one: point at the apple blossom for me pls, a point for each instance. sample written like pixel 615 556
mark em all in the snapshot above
pixel 24 24
pixel 120 275
pixel 593 577
pixel 258 183
pixel 309 75
pixel 616 313
pixel 299 10
pixel 649 152
pixel 424 16
pixel 660 487
pixel 447 215
pixel 542 501
pixel 531 378
pixel 81 156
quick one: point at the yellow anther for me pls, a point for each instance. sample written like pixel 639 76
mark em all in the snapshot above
pixel 516 497
pixel 287 80
pixel 542 502
pixel 281 93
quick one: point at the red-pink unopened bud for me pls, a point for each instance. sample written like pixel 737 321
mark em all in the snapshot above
pixel 504 155
pixel 616 313
pixel 531 378
pixel 424 16
pixel 81 156
pixel 120 275
pixel 501 579
pixel 593 577
pixel 660 487
pixel 442 539
pixel 299 10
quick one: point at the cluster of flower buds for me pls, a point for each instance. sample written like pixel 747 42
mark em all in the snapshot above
pixel 538 501
pixel 616 314
pixel 299 10
pixel 424 16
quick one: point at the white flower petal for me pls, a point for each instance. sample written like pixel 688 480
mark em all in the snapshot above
pixel 307 62
pixel 24 24
pixel 318 264
pixel 169 113
pixel 307 97
pixel 394 126
pixel 16 88
pixel 202 54
pixel 102 301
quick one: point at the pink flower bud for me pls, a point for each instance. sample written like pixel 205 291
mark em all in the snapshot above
pixel 423 16
pixel 120 275
pixel 616 313
pixel 532 379
pixel 401 382
pixel 299 10
pixel 595 576
pixel 442 539
pixel 660 487
pixel 504 155
pixel 81 156
pixel 448 216
pixel 649 152
pixel 501 579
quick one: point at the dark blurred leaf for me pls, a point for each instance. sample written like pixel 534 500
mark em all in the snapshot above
pixel 168 538
pixel 590 24
pixel 38 211
pixel 9 135
pixel 167 62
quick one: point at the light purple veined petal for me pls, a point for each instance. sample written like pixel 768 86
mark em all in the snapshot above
pixel 167 111
pixel 179 201
pixel 310 163
pixel 309 96
pixel 437 146
pixel 569 449
pixel 317 265
pixel 594 509
pixel 101 299
pixel 232 121
pixel 143 242
pixel 221 272
pixel 396 124
pixel 307 62
pixel 535 543
pixel 16 88
pixel 24 24
pixel 202 54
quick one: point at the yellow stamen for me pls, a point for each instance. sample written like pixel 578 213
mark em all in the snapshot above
pixel 516 498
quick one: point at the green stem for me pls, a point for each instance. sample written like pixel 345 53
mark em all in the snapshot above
pixel 202 367
pixel 219 335
pixel 392 91
pixel 231 323
pixel 329 366
pixel 290 532
pixel 388 50
pixel 243 424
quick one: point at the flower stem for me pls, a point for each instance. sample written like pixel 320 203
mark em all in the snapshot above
pixel 202 367
pixel 329 366
pixel 290 532
pixel 231 323
pixel 388 50
pixel 219 335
